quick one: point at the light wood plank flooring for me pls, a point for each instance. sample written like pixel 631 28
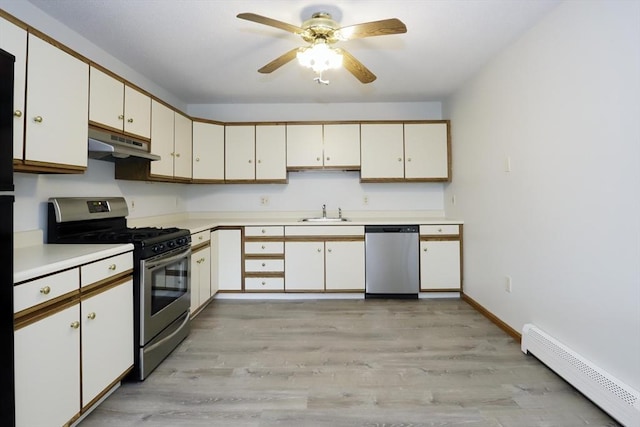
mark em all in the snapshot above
pixel 347 363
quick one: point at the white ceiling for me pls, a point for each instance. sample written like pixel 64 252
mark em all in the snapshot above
pixel 201 53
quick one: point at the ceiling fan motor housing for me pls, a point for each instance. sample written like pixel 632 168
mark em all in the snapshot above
pixel 321 25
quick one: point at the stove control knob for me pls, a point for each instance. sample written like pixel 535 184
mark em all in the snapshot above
pixel 182 241
pixel 171 244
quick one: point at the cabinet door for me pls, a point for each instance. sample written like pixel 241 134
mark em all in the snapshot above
pixel 162 118
pixel 439 265
pixel 57 106
pixel 426 150
pixel 208 151
pixel 137 112
pixel 304 266
pixel 215 261
pixel 195 283
pixel 107 339
pixel 47 370
pixel 229 254
pixel 344 266
pixel 382 151
pixel 240 153
pixel 271 156
pixel 304 146
pixel 182 145
pixel 106 99
pixel 204 274
pixel 13 39
pixel 342 145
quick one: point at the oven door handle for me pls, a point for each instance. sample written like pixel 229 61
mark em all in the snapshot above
pixel 168 260
pixel 167 338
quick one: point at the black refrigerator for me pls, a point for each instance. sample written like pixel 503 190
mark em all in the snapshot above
pixel 7 395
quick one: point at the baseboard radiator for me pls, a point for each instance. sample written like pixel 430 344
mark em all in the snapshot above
pixel 616 398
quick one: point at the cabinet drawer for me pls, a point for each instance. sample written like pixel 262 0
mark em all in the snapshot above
pixel 45 289
pixel 325 230
pixel 264 248
pixel 201 237
pixel 264 231
pixel 264 284
pixel 439 230
pixel 253 265
pixel 103 269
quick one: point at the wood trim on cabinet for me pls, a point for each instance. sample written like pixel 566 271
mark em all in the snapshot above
pixel 31 166
pixel 444 238
pixel 492 317
pixel 104 285
pixel 200 246
pixel 324 238
pixel 263 256
pixel 259 274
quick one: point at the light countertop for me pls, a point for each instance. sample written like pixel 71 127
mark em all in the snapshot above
pixel 39 260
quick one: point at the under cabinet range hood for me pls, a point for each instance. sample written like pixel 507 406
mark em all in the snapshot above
pixel 110 146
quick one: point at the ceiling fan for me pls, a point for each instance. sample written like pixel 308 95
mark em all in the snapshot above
pixel 321 32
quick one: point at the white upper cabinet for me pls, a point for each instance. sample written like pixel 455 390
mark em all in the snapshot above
pixel 304 146
pixel 426 150
pixel 405 152
pixel 382 151
pixel 342 146
pixel 162 128
pixel 182 144
pixel 118 106
pixel 208 151
pixel 271 156
pixel 13 39
pixel 240 153
pixel 323 146
pixel 57 107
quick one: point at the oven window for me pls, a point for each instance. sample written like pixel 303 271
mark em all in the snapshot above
pixel 169 283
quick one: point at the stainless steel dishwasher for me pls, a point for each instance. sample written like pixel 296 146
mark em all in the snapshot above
pixel 391 261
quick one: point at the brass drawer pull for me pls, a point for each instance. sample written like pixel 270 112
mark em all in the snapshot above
pixel 91 315
pixel 45 290
pixel 17 113
pixel 112 267
pixel 75 324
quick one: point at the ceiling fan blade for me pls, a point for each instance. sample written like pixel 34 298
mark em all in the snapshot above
pixel 371 29
pixel 356 67
pixel 270 22
pixel 279 61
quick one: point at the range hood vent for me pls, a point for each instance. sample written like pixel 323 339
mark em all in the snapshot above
pixel 110 146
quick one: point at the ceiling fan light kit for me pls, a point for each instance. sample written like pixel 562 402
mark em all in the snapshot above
pixel 321 31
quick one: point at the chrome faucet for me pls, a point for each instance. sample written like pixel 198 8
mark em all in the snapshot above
pixel 324 211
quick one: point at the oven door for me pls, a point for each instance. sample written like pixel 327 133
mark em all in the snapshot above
pixel 165 291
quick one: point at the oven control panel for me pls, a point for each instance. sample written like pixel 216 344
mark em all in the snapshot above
pixel 98 206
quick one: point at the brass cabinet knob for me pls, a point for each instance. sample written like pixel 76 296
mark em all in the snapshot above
pixel 328 158
pixel 425 249
pixel 112 267
pixel 317 159
pixel 264 265
pixel 250 161
pixel 173 154
pixel 37 119
pixel 130 120
pixel 329 250
pixel 409 159
pixel 200 237
pixel 264 283
pixel 399 159
pixel 439 230
pixel 319 250
pixel 263 247
pixel 263 231
pixel 197 159
pixel 75 324
pixel 91 315
pixel 259 161
pixel 121 117
pixel 45 290
pixel 17 113
pixel 177 154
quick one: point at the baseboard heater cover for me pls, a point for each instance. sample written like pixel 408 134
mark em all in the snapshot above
pixel 616 398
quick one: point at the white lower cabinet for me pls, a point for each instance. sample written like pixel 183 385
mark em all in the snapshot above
pixel 200 278
pixel 107 339
pixel 228 259
pixel 304 266
pixel 47 374
pixel 344 265
pixel 440 265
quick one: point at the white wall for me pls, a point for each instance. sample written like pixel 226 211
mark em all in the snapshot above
pixel 563 103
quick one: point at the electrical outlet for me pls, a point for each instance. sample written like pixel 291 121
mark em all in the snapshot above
pixel 453 199
pixel 133 205
pixel 365 200
pixel 507 164
pixel 507 284
pixel 264 200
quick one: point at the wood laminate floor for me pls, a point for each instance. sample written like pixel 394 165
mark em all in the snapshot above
pixel 347 363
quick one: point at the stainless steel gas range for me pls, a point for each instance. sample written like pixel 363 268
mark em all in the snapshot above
pixel 162 259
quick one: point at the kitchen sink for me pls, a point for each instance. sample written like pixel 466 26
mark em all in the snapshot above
pixel 324 219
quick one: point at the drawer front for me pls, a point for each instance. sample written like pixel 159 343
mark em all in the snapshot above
pixel 103 269
pixel 45 289
pixel 264 248
pixel 325 230
pixel 263 265
pixel 264 231
pixel 439 230
pixel 201 237
pixel 264 284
